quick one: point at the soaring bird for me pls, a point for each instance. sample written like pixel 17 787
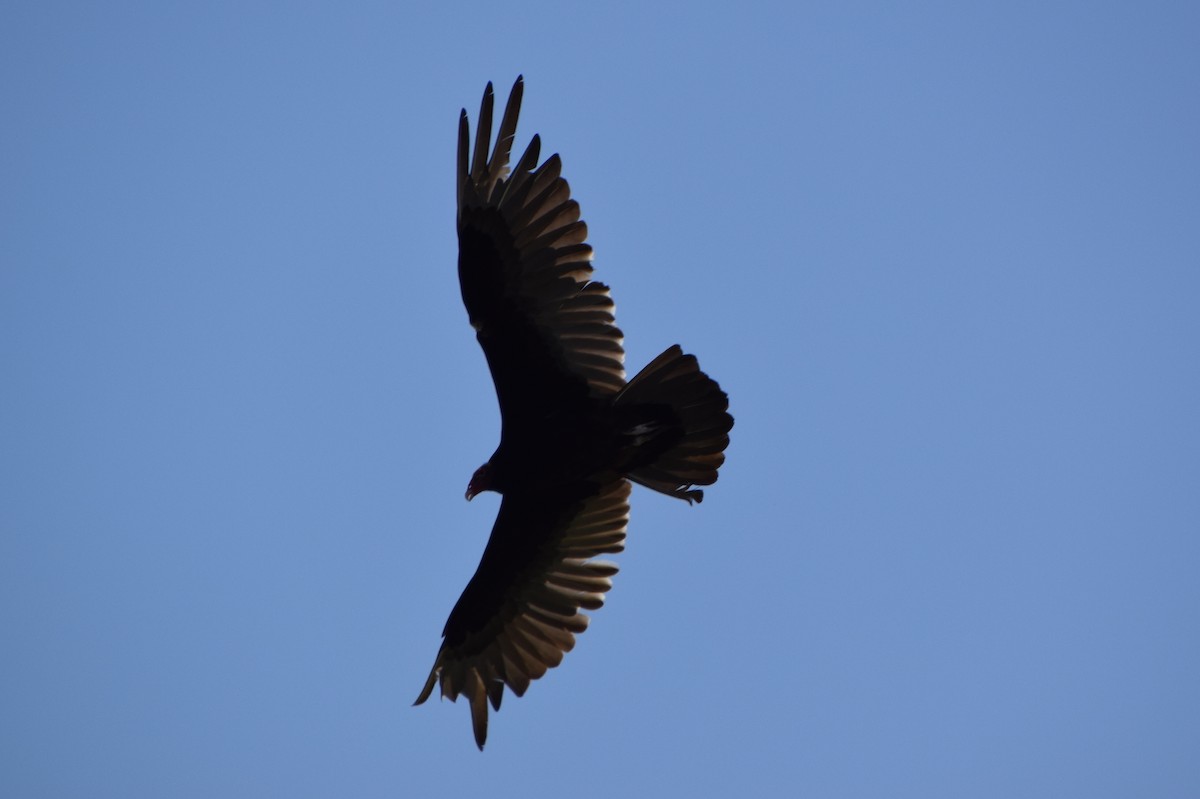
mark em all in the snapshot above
pixel 573 433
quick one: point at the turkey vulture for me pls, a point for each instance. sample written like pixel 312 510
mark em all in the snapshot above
pixel 573 432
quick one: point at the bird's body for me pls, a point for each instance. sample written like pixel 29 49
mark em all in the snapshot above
pixel 573 431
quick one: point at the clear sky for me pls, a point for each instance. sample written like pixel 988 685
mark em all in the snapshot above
pixel 944 257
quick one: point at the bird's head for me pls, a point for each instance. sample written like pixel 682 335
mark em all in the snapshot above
pixel 480 481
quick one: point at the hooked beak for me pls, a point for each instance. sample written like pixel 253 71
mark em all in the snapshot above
pixel 479 482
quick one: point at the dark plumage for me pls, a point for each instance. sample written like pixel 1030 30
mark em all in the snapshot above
pixel 573 432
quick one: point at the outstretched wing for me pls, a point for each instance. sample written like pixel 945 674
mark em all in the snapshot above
pixel 521 611
pixel 524 267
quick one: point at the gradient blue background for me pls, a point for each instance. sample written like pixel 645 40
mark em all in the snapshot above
pixel 945 260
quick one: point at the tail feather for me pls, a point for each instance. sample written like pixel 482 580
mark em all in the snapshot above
pixel 699 420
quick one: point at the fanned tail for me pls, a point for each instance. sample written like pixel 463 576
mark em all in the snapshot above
pixel 699 422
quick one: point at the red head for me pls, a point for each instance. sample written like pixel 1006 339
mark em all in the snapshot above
pixel 480 481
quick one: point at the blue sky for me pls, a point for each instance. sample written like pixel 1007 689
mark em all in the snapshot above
pixel 944 257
